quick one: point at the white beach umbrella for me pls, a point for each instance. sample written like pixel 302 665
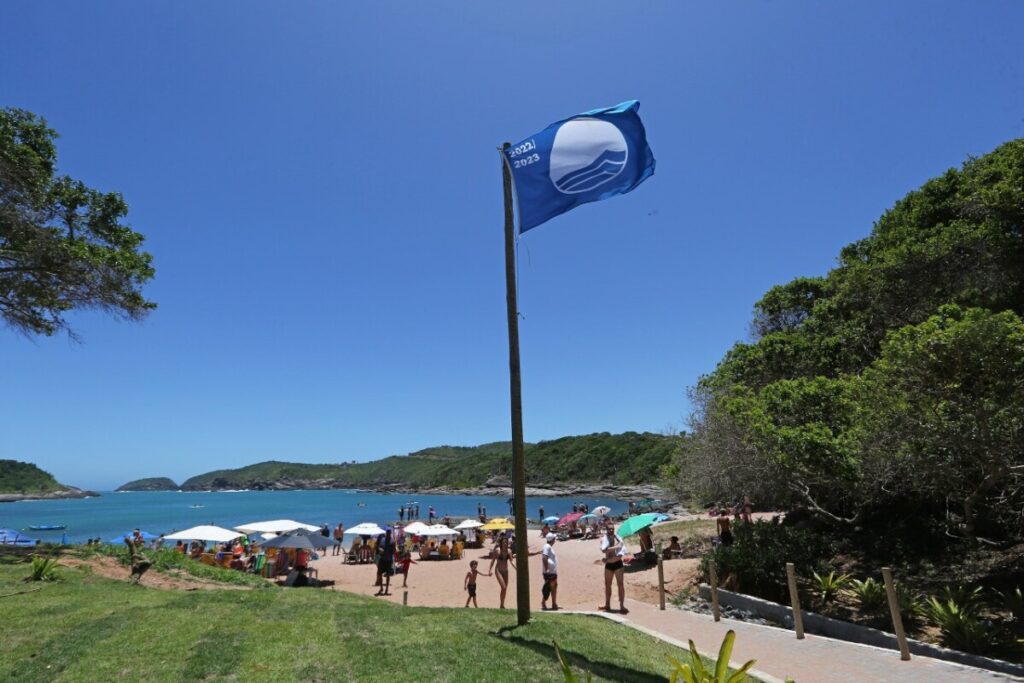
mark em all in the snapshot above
pixel 204 532
pixel 416 528
pixel 365 529
pixel 275 526
pixel 602 510
pixel 440 530
pixel 468 524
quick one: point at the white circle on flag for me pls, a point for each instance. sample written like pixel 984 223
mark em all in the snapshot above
pixel 586 154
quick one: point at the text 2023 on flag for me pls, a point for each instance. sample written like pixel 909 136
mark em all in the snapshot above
pixel 584 158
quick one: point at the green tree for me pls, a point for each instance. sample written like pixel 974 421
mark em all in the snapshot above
pixel 946 401
pixel 63 245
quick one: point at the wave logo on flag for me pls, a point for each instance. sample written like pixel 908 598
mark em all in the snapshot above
pixel 586 153
pixel 581 159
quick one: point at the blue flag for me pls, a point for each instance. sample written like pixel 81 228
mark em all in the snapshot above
pixel 584 158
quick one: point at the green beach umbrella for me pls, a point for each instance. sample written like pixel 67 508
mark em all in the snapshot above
pixel 637 523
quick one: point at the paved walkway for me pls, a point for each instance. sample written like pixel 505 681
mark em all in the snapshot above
pixel 812 660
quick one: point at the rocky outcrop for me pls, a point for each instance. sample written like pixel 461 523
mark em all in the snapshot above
pixel 66 492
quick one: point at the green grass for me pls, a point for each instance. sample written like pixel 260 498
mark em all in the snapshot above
pixel 86 627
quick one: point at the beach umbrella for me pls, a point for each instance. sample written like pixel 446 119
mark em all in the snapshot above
pixel 416 528
pixel 587 518
pixel 570 518
pixel 365 529
pixel 146 536
pixel 636 523
pixel 275 526
pixel 468 524
pixel 14 537
pixel 602 510
pixel 551 519
pixel 204 532
pixel 306 540
pixel 440 530
pixel 498 524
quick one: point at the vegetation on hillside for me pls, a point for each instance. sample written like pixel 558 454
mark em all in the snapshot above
pixel 23 477
pixel 889 394
pixel 630 458
pixel 150 484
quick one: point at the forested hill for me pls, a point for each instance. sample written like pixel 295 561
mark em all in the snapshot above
pixel 620 459
pixel 23 477
pixel 150 484
pixel 892 388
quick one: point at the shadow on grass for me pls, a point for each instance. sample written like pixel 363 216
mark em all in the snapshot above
pixel 605 670
pixel 54 655
pixel 219 652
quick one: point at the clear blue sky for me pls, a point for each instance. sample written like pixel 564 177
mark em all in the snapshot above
pixel 319 187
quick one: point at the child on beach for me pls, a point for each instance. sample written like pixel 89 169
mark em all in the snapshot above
pixel 404 564
pixel 470 583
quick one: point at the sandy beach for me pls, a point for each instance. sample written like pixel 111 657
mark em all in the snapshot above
pixel 439 583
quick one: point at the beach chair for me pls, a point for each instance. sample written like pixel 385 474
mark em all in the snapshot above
pixel 259 564
pixel 352 556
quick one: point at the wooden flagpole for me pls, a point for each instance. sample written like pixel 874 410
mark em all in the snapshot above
pixel 518 462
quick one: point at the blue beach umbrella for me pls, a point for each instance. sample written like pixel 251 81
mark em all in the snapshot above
pixel 552 519
pixel 146 536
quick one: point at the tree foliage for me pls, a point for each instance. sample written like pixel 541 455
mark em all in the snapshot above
pixel 899 376
pixel 63 245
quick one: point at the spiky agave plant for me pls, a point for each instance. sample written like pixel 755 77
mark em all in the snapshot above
pixel 695 672
pixel 870 594
pixel 827 587
pixel 43 569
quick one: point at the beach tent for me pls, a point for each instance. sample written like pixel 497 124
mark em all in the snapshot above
pixel 570 518
pixel 468 524
pixel 498 524
pixel 416 528
pixel 275 526
pixel 204 532
pixel 9 537
pixel 365 529
pixel 146 536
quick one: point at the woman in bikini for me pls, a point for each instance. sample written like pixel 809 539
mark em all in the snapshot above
pixel 502 559
pixel 613 550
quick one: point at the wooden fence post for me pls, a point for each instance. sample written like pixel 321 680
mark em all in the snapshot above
pixel 405 598
pixel 661 582
pixel 794 596
pixel 714 592
pixel 894 610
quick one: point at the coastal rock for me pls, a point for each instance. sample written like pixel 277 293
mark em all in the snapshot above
pixel 66 493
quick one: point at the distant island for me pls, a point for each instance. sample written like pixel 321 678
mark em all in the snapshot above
pixel 25 481
pixel 149 484
pixel 631 463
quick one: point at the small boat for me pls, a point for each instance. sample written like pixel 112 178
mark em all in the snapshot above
pixel 48 527
pixel 197 505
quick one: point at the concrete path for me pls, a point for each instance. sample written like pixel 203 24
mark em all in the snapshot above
pixel 812 660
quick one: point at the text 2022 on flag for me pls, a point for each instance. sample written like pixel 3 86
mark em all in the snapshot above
pixel 584 158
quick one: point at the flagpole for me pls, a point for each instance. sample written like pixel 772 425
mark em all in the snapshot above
pixel 515 391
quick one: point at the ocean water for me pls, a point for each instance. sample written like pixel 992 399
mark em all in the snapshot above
pixel 112 514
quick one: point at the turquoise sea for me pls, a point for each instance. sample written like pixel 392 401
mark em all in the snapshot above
pixel 112 514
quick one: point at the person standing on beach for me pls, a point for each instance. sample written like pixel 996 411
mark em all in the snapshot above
pixel 613 549
pixel 339 535
pixel 469 585
pixel 549 570
pixel 503 558
pixel 401 513
pixel 384 563
pixel 431 514
pixel 541 510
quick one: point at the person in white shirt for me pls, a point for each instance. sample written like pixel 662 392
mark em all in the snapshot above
pixel 613 549
pixel 550 574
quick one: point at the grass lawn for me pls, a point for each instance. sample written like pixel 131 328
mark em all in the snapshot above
pixel 86 627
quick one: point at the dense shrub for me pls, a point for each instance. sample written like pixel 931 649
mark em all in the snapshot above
pixel 756 562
